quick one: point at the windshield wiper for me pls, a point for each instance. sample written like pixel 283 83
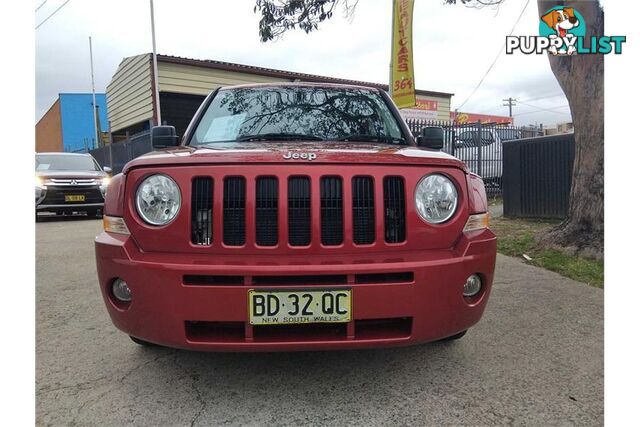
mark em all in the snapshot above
pixel 371 138
pixel 278 137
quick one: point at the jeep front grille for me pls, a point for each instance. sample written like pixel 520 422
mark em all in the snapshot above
pixel 223 216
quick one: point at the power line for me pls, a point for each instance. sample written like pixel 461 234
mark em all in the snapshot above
pixel 538 109
pixel 554 112
pixel 543 108
pixel 504 45
pixel 543 97
pixel 54 12
pixel 38 8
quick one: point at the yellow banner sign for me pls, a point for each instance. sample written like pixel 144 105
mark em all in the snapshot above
pixel 402 81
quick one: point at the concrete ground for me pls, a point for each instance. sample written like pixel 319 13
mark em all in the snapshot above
pixel 536 358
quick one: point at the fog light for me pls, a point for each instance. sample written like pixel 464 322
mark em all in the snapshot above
pixel 472 286
pixel 121 290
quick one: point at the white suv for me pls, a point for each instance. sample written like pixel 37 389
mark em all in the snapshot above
pixel 490 150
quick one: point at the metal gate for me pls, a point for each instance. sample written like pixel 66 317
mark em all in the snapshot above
pixel 537 176
pixel 479 145
pixel 118 154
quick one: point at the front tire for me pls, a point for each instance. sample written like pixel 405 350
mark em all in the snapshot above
pixel 141 342
pixel 455 337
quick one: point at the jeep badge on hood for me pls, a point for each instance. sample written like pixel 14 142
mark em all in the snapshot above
pixel 302 156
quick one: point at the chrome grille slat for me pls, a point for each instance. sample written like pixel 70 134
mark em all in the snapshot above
pixel 71 181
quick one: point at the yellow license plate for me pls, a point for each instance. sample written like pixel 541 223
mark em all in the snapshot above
pixel 74 198
pixel 286 307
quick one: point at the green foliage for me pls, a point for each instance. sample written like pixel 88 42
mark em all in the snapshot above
pixel 516 237
pixel 280 16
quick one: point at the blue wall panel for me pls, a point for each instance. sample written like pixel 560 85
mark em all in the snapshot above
pixel 77 120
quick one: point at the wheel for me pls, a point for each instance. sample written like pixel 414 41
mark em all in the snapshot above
pixel 38 219
pixel 141 342
pixel 455 337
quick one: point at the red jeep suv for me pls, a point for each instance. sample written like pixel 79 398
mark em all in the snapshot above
pixel 295 217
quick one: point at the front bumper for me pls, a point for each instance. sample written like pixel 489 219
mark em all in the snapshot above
pixel 164 310
pixel 75 207
pixel 52 198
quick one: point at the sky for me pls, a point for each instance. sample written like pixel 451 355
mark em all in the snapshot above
pixel 454 46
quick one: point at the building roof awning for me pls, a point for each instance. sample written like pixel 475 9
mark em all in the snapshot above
pixel 270 72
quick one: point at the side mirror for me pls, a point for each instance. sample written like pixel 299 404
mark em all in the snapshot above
pixel 107 169
pixel 164 136
pixel 431 137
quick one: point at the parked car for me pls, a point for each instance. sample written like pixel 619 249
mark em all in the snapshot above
pixel 69 183
pixel 295 217
pixel 466 149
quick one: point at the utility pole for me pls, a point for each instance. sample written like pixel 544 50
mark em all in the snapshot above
pixel 510 103
pixel 156 91
pixel 95 106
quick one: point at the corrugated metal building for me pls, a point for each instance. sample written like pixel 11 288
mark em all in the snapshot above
pixel 183 83
pixel 68 124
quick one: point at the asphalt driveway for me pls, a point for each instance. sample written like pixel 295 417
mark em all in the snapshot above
pixel 535 358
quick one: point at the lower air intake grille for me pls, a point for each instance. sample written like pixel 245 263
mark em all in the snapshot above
pixel 267 211
pixel 299 211
pixel 233 211
pixel 331 210
pixel 363 210
pixel 201 211
pixel 394 210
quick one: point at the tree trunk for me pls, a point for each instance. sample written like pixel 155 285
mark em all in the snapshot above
pixel 582 80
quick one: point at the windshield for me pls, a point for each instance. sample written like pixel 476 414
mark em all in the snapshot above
pixel 297 113
pixel 60 162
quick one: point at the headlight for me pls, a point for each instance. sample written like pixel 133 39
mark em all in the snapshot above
pixel 158 200
pixel 40 182
pixel 105 181
pixel 436 198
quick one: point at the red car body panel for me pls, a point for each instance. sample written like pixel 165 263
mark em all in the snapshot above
pixel 402 293
pixel 162 303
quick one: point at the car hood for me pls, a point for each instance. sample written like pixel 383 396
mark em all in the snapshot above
pixel 70 174
pixel 279 152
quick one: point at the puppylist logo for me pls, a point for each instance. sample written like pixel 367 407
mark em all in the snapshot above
pixel 563 33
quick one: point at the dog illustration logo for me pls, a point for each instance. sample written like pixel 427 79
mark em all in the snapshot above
pixel 563 32
pixel 562 25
